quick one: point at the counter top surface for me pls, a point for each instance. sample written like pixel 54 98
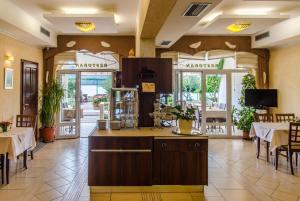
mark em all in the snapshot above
pixel 144 132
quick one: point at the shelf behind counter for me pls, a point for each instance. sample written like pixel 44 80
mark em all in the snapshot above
pixel 146 157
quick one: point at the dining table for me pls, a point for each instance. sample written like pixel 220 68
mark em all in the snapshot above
pixel 275 134
pixel 16 141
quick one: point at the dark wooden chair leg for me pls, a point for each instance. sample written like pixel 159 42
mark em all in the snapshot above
pixel 31 154
pixel 258 147
pixel 291 161
pixel 2 168
pixel 276 158
pixel 7 168
pixel 268 152
pixel 25 159
pixel 297 159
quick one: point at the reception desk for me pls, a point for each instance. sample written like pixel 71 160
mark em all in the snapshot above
pixel 147 159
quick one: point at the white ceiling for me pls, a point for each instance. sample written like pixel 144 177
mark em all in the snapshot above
pixel 126 13
pixel 260 14
pixel 219 25
pixel 105 24
pixel 213 21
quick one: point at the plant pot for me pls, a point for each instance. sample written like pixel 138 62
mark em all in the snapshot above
pixel 185 126
pixel 246 135
pixel 48 134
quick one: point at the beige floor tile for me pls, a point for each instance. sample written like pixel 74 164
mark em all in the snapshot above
pixel 44 188
pixel 63 189
pixel 226 183
pixel 284 196
pixel 125 197
pixel 238 195
pixel 58 182
pixel 49 195
pixel 84 198
pixel 176 197
pixel 10 195
pixel 34 199
pixel 213 198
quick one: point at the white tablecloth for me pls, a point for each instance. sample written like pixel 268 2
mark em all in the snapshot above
pixel 16 141
pixel 275 133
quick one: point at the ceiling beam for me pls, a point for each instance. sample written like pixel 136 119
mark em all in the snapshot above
pixel 156 15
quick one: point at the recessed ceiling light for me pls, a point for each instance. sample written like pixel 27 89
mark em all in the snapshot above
pixel 85 26
pixel 80 10
pixel 117 18
pixel 238 27
pixel 212 16
pixel 255 11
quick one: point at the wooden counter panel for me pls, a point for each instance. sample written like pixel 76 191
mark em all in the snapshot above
pixel 152 158
pixel 120 143
pixel 182 145
pixel 180 162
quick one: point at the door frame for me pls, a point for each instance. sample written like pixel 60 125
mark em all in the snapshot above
pixel 23 61
pixel 22 79
pixel 203 73
pixel 77 72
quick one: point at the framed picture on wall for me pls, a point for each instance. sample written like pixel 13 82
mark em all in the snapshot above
pixel 9 78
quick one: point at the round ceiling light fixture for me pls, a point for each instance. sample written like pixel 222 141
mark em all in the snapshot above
pixel 238 27
pixel 85 26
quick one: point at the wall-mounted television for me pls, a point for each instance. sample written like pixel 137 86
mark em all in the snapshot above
pixel 260 98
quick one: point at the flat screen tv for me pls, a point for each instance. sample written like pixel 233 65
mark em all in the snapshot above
pixel 260 98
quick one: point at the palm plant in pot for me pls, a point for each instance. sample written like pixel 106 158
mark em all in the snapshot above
pixel 185 118
pixel 51 98
pixel 243 116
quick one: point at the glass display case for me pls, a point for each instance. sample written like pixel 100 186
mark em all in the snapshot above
pixel 124 106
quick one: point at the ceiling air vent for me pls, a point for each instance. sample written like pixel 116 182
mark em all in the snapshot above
pixel 262 36
pixel 194 9
pixel 165 42
pixel 45 31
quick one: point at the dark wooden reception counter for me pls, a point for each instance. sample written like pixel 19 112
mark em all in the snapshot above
pixel 147 157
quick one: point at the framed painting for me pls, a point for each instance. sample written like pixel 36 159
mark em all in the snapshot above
pixel 9 78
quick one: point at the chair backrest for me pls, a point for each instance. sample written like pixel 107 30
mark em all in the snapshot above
pixel 268 117
pixel 294 136
pixel 285 117
pixel 26 121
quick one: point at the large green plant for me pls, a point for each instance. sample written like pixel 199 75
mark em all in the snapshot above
pixel 244 116
pixel 51 98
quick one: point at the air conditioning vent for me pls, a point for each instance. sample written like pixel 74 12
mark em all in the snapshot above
pixel 262 36
pixel 166 42
pixel 194 9
pixel 45 31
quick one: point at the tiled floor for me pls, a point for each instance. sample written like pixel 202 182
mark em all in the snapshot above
pixel 58 172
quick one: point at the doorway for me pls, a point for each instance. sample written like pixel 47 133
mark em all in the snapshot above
pixel 212 93
pixel 29 88
pixel 94 100
pixel 86 101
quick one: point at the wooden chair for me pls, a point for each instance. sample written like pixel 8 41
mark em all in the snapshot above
pixel 27 121
pixel 267 117
pixel 285 117
pixel 293 146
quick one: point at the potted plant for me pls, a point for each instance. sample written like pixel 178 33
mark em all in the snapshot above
pixel 244 116
pixel 4 125
pixel 185 118
pixel 51 98
pixel 98 100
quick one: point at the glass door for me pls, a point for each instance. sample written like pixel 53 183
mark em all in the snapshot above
pixel 217 104
pixel 68 116
pixel 95 90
